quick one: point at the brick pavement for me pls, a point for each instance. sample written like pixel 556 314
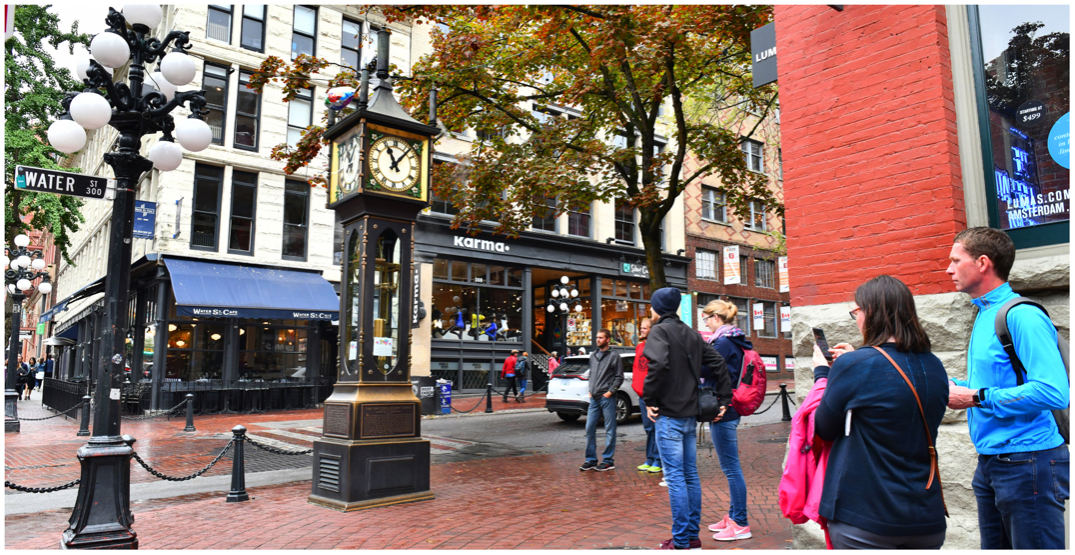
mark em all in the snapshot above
pixel 549 504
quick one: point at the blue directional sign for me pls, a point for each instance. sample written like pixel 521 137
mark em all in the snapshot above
pixel 145 219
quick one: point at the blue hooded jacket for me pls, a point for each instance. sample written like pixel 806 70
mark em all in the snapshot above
pixel 731 346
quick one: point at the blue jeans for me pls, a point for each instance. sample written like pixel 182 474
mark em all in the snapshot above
pixel 522 386
pixel 601 406
pixel 676 438
pixel 726 443
pixel 1021 499
pixel 653 456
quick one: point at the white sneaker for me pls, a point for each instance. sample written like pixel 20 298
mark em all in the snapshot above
pixel 663 484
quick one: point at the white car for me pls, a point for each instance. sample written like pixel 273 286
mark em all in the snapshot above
pixel 569 389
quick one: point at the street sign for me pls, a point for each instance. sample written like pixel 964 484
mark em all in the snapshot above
pixel 62 183
pixel 763 55
pixel 145 219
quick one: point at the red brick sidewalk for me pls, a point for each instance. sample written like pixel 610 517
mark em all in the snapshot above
pixel 530 502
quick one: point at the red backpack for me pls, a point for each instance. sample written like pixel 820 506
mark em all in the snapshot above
pixel 750 392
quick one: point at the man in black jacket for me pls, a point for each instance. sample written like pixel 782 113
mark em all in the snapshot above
pixel 606 376
pixel 676 354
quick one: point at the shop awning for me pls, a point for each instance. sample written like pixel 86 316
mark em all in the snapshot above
pixel 223 290
pixel 91 289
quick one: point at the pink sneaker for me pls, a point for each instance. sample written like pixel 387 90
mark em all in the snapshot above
pixel 722 525
pixel 732 532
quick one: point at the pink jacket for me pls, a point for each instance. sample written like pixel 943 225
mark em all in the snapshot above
pixel 804 472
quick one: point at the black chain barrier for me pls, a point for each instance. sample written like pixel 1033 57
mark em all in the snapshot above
pixel 54 415
pixel 275 450
pixel 480 401
pixel 41 490
pixel 170 412
pixel 770 405
pixel 192 476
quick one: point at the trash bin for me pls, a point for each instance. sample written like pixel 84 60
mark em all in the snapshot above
pixel 445 387
pixel 425 388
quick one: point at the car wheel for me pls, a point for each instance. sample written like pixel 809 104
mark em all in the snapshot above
pixel 566 417
pixel 623 409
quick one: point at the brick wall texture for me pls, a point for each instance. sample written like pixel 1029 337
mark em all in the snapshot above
pixel 872 180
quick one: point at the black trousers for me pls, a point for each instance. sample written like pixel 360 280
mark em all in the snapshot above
pixel 510 385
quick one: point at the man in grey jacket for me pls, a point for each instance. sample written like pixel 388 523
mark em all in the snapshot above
pixel 606 377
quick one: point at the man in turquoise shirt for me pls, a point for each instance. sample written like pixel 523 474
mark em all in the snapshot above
pixel 1021 481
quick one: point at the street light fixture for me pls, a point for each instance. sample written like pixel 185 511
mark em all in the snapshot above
pixel 102 516
pixel 21 268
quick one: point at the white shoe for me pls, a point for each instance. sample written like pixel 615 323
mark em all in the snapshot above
pixel 663 484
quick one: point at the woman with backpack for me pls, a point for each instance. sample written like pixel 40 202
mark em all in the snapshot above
pixel 731 343
pixel 522 373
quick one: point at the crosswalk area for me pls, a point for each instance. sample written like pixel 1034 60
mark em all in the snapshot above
pixel 297 439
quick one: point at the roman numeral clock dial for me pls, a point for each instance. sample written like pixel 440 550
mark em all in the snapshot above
pixel 394 164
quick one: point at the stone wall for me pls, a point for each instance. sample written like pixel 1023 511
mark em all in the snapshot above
pixel 947 319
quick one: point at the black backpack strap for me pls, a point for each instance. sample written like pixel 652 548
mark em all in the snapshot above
pixel 1000 324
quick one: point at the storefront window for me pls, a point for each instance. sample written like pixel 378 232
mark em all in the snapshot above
pixel 486 312
pixel 1024 71
pixel 195 350
pixel 273 349
pixel 621 311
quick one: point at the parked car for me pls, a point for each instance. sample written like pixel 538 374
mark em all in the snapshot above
pixel 568 389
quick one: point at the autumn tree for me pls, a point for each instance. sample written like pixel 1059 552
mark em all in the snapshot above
pixel 626 73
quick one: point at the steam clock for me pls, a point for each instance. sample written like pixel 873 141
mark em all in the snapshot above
pixel 371 452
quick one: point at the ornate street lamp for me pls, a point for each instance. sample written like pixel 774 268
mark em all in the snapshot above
pixel 21 268
pixel 560 298
pixel 102 516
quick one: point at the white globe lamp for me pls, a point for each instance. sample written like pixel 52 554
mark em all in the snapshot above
pixel 45 288
pixel 563 307
pixel 149 15
pixel 555 293
pixel 24 261
pixel 66 136
pixel 157 81
pixel 110 50
pixel 38 264
pixel 178 68
pixel 91 110
pixel 165 155
pixel 574 293
pixel 83 66
pixel 551 308
pixel 578 308
pixel 563 280
pixel 23 284
pixel 194 134
pixel 22 240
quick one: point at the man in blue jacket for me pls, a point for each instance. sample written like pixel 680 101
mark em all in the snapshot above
pixel 1021 481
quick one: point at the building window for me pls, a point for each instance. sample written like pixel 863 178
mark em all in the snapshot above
pixel 296 216
pixel 743 264
pixel 753 152
pixel 713 207
pixel 205 219
pixel 244 197
pixel 742 315
pixel 764 273
pixel 756 219
pixel 705 264
pixel 215 83
pixel 304 31
pixel 247 114
pixel 253 36
pixel 219 25
pixel 441 205
pixel 578 222
pixel 547 221
pixel 299 115
pixel 625 223
pixel 351 44
pixel 769 320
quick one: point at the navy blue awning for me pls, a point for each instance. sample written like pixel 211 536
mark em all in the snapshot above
pixel 223 290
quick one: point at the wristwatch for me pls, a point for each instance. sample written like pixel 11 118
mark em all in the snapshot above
pixel 977 397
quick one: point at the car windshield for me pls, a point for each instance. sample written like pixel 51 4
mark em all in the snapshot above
pixel 572 368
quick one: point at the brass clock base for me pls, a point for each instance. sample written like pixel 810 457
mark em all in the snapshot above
pixel 371 503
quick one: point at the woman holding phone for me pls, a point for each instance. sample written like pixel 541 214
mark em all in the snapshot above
pixel 882 489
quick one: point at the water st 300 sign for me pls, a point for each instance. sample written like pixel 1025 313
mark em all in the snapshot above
pixel 62 183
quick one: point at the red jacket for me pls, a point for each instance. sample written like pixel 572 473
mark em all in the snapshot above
pixel 640 369
pixel 509 365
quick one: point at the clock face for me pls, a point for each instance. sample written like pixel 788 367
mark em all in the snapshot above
pixel 394 163
pixel 350 164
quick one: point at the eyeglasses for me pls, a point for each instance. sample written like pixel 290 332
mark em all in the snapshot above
pixel 706 318
pixel 853 315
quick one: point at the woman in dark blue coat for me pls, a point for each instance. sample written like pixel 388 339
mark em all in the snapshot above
pixel 881 486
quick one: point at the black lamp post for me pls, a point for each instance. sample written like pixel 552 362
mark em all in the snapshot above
pixel 22 268
pixel 102 516
pixel 561 297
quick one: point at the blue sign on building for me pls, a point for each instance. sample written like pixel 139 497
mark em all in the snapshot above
pixel 145 219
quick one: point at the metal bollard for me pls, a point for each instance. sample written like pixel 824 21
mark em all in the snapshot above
pixel 489 397
pixel 84 427
pixel 784 403
pixel 238 470
pixel 190 413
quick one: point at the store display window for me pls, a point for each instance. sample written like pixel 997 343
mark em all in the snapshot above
pixel 623 309
pixel 486 307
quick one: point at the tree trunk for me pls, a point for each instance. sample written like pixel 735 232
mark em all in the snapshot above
pixel 651 242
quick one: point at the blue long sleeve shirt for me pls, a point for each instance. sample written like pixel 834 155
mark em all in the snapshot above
pixel 1014 418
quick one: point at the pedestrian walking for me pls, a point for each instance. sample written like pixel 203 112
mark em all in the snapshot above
pixel 22 378
pixel 522 373
pixel 1022 478
pixel 606 377
pixel 675 353
pixel 730 342
pixel 554 362
pixel 881 409
pixel 508 373
pixel 638 378
pixel 39 374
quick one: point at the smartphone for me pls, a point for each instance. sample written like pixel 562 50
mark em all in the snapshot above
pixel 819 338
